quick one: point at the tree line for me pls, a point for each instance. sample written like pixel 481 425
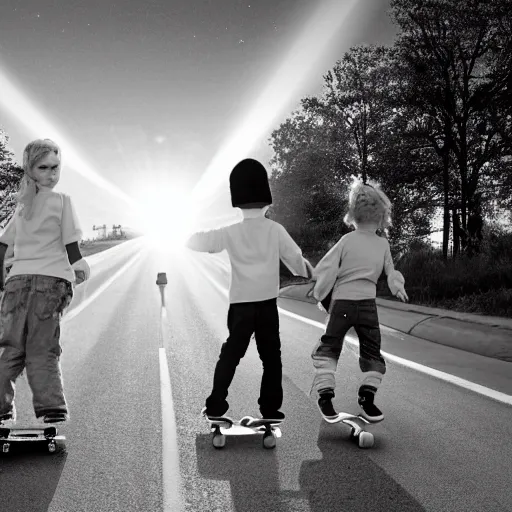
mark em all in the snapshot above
pixel 430 118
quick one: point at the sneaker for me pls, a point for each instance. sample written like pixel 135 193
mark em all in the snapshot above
pixel 213 417
pixel 325 405
pixel 55 417
pixel 272 415
pixel 365 400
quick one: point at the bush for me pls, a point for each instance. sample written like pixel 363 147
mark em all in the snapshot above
pixel 481 284
pixel 494 303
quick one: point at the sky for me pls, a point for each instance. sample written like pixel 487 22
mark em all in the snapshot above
pixel 148 98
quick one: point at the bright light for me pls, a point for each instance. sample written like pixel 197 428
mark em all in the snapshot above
pixel 295 69
pixel 165 215
pixel 38 125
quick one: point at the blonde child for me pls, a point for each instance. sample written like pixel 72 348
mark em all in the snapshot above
pixel 43 257
pixel 351 270
pixel 254 247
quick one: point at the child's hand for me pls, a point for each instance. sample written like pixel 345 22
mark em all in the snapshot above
pixel 82 271
pixel 309 268
pixel 309 294
pixel 402 295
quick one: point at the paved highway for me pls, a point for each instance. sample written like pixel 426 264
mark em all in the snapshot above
pixel 135 445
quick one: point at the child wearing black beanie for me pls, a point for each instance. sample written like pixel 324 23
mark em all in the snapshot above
pixel 254 247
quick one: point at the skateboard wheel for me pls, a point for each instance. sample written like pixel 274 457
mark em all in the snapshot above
pixel 269 441
pixel 366 440
pixel 52 447
pixel 219 441
pixel 5 447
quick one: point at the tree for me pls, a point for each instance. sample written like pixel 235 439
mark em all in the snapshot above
pixel 306 178
pixel 363 100
pixel 459 53
pixel 10 177
pixel 353 128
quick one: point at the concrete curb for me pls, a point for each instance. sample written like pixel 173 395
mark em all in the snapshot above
pixel 487 336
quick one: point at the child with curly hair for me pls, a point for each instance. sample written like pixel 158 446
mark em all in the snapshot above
pixel 350 271
pixel 40 248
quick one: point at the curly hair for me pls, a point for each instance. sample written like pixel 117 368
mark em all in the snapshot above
pixel 368 203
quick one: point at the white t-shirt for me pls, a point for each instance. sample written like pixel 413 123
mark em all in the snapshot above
pixel 254 247
pixel 38 245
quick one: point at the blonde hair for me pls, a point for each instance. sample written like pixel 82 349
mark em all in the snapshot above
pixel 33 153
pixel 368 203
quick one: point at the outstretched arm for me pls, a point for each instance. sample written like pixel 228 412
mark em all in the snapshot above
pixel 396 280
pixel 326 271
pixel 291 255
pixel 207 241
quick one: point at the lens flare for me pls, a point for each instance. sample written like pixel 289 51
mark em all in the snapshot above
pixel 38 125
pixel 165 214
pixel 276 97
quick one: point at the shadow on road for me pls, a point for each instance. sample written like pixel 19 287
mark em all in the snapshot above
pixel 347 479
pixel 250 469
pixel 29 479
pixel 344 479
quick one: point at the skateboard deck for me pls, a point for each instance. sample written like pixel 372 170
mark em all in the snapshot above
pixel 358 434
pixel 248 425
pixel 12 438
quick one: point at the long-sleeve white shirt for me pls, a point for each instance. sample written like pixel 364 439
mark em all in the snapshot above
pixel 254 247
pixel 353 266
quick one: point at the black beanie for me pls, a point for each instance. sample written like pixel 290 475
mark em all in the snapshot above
pixel 249 185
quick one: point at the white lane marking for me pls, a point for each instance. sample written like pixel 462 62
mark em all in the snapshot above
pixel 75 311
pixel 477 388
pixel 171 478
pixel 447 377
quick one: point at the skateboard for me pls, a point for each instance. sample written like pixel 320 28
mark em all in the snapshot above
pixel 12 438
pixel 358 434
pixel 248 425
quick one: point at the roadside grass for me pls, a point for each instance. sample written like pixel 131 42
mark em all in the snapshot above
pixel 95 246
pixel 482 284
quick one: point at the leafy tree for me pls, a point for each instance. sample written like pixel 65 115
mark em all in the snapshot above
pixel 362 101
pixel 306 178
pixel 10 177
pixel 460 60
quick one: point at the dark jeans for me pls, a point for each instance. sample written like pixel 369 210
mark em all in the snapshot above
pixel 244 320
pixel 31 309
pixel 362 315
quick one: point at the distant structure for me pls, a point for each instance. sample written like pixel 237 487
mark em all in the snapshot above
pixel 102 231
pixel 117 232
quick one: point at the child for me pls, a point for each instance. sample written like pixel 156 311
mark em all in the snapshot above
pixel 254 247
pixel 41 241
pixel 353 266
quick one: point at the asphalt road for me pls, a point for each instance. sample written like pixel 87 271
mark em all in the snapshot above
pixel 133 447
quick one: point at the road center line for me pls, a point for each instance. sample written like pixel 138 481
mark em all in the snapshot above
pixel 171 478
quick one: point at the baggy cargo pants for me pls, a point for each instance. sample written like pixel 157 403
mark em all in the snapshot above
pixel 344 314
pixel 31 309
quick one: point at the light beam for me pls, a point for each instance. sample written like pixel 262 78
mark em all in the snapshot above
pixel 280 91
pixel 38 125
